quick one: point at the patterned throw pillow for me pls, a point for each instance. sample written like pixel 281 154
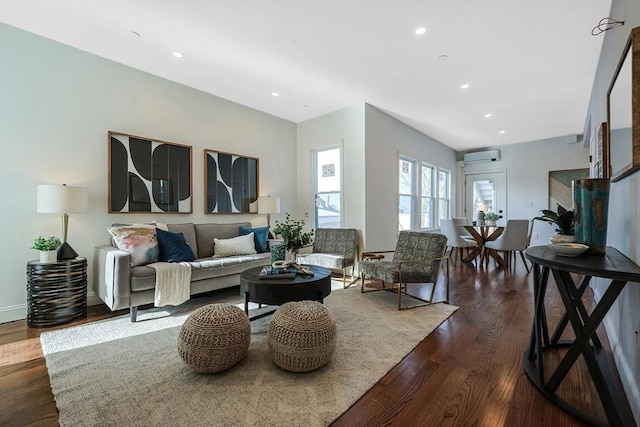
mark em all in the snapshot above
pixel 139 240
pixel 241 245
pixel 173 247
pixel 261 234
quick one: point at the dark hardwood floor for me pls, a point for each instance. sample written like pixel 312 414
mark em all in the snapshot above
pixel 468 372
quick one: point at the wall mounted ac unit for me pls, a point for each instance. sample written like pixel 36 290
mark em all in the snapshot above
pixel 482 156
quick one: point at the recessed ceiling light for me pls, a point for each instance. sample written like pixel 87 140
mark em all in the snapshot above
pixel 443 57
pixel 502 131
pixel 275 94
pixel 304 106
pixel 488 115
pixel 135 33
pixel 464 86
pixel 420 31
pixel 178 55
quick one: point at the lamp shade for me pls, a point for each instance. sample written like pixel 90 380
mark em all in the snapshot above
pixel 268 205
pixel 62 199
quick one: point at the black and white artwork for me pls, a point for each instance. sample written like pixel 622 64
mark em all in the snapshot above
pixel 231 182
pixel 148 175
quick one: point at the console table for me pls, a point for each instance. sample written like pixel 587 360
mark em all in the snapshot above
pixel 613 265
pixel 56 292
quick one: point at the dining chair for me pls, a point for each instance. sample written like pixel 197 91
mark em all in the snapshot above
pixel 515 238
pixel 461 222
pixel 455 240
pixel 417 258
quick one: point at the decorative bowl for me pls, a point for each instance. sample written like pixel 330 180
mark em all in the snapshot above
pixel 568 249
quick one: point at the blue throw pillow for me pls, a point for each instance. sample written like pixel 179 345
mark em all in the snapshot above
pixel 173 247
pixel 260 236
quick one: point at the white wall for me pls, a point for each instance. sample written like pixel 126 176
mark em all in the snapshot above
pixel 623 321
pixel 386 139
pixel 57 104
pixel 527 167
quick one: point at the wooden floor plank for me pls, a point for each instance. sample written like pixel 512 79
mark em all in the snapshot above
pixel 468 372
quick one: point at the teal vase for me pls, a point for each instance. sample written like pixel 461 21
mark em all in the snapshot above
pixel 591 203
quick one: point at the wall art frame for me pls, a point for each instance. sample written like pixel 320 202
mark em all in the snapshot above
pixel 148 175
pixel 560 187
pixel 230 182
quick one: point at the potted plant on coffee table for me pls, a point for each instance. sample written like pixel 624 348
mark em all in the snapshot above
pixel 565 222
pixel 47 248
pixel 293 236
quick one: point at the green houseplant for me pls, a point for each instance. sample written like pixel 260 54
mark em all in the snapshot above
pixel 564 220
pixel 47 248
pixel 491 218
pixel 292 233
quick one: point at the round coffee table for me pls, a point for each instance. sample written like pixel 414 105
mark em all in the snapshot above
pixel 279 291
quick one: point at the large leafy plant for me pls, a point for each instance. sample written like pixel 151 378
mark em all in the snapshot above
pixel 564 219
pixel 292 234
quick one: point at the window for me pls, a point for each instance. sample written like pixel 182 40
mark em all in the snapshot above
pixel 444 194
pixel 406 193
pixel 426 202
pixel 418 191
pixel 328 188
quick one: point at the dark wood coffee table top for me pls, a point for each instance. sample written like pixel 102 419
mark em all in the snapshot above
pixel 280 291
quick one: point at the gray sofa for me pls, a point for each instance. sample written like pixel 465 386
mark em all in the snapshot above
pixel 124 286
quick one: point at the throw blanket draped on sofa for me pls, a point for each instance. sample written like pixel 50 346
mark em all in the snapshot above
pixel 173 283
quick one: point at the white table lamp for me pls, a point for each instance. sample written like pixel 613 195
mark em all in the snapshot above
pixel 268 205
pixel 64 200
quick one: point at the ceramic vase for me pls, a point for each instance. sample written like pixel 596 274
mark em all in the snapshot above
pixel 591 202
pixel 277 253
pixel 48 256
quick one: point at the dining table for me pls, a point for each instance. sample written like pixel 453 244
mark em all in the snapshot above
pixel 483 234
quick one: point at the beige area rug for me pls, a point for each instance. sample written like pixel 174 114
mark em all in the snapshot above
pixel 117 373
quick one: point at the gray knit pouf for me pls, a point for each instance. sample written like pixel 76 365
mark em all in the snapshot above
pixel 302 336
pixel 214 337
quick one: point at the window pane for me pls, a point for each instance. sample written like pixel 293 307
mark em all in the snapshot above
pixel 443 208
pixel 425 213
pixel 443 184
pixel 405 177
pixel 427 181
pixel 328 173
pixel 405 207
pixel 328 210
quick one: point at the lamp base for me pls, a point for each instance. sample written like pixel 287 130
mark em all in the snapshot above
pixel 65 251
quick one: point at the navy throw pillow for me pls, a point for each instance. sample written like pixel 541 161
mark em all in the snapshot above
pixel 260 236
pixel 173 247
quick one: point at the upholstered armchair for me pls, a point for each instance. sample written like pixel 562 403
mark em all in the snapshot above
pixel 334 248
pixel 417 259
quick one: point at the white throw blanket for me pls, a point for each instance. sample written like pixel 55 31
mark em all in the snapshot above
pixel 173 283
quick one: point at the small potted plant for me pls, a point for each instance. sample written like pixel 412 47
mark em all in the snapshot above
pixel 565 222
pixel 47 248
pixel 491 218
pixel 292 235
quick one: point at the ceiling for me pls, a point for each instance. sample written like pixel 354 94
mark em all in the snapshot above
pixel 530 63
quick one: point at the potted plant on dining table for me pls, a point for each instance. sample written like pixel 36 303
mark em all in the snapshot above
pixel 490 218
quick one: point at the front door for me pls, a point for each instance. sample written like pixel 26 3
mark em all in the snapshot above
pixel 486 192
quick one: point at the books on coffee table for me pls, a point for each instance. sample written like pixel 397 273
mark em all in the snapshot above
pixel 277 273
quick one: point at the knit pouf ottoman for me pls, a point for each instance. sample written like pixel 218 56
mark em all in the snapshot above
pixel 301 336
pixel 214 337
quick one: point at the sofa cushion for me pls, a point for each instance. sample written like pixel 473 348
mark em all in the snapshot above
pixel 207 232
pixel 189 233
pixel 173 247
pixel 139 240
pixel 241 245
pixel 261 234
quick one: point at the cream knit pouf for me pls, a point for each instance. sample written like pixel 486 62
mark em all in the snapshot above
pixel 301 336
pixel 214 338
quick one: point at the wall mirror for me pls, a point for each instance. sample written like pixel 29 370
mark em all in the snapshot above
pixel 623 109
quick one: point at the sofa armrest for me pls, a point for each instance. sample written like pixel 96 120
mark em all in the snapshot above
pixel 112 281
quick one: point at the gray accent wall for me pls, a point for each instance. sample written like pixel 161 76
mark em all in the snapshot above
pixel 623 321
pixel 57 104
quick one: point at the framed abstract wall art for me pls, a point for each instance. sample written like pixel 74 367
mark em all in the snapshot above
pixel 148 175
pixel 231 182
pixel 560 187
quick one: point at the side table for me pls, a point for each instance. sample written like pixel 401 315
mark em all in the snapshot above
pixel 56 292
